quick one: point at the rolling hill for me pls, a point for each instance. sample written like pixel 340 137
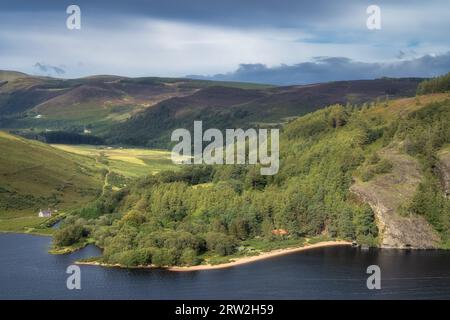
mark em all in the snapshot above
pixel 143 111
pixel 35 175
pixel 6 75
pixel 220 107
pixel 96 102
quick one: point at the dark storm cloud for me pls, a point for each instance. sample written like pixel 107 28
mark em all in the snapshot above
pixel 179 37
pixel 323 69
pixel 286 13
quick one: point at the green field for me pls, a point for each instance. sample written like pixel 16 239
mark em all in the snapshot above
pixel 129 162
pixel 34 225
pixel 35 175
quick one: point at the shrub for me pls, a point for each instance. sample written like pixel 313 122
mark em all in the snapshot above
pixel 220 243
pixel 435 85
pixel 69 235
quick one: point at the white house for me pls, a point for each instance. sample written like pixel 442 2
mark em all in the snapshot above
pixel 45 213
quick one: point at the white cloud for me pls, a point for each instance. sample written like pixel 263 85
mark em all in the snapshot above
pixel 145 46
pixel 324 69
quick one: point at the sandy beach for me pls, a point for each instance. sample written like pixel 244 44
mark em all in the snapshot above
pixel 234 262
pixel 262 256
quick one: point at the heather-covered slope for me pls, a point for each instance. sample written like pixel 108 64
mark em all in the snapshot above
pixel 143 111
pixel 96 103
pixel 220 107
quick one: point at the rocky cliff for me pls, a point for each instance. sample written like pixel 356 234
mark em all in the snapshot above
pixel 387 194
pixel 444 167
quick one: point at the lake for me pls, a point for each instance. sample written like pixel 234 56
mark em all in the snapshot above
pixel 27 271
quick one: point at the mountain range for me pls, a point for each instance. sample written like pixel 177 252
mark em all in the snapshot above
pixel 143 111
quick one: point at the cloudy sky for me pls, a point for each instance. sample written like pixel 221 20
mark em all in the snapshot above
pixel 283 42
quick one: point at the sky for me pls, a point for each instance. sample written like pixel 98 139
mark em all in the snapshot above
pixel 279 42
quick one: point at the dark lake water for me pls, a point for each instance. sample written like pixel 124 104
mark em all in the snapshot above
pixel 27 271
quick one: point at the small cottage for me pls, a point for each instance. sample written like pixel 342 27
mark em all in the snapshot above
pixel 45 213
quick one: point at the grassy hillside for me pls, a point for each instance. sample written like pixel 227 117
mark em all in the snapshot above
pixel 34 175
pixel 11 75
pixel 130 163
pixel 213 213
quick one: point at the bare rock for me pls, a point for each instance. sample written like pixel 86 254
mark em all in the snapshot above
pixel 444 166
pixel 387 194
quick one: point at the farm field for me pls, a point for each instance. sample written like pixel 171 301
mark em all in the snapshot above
pixel 129 162
pixel 35 175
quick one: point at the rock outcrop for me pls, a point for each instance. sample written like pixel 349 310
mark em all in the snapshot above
pixel 387 194
pixel 444 166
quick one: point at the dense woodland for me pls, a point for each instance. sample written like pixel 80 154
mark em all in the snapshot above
pixel 183 217
pixel 66 137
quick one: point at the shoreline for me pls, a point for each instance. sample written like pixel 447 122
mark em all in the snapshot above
pixel 233 263
pixel 261 256
pixel 25 232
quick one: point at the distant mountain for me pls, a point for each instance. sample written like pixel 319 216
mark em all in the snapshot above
pixel 143 111
pixel 96 102
pixel 221 107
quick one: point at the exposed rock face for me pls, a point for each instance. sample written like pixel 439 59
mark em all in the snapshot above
pixel 387 193
pixel 444 167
